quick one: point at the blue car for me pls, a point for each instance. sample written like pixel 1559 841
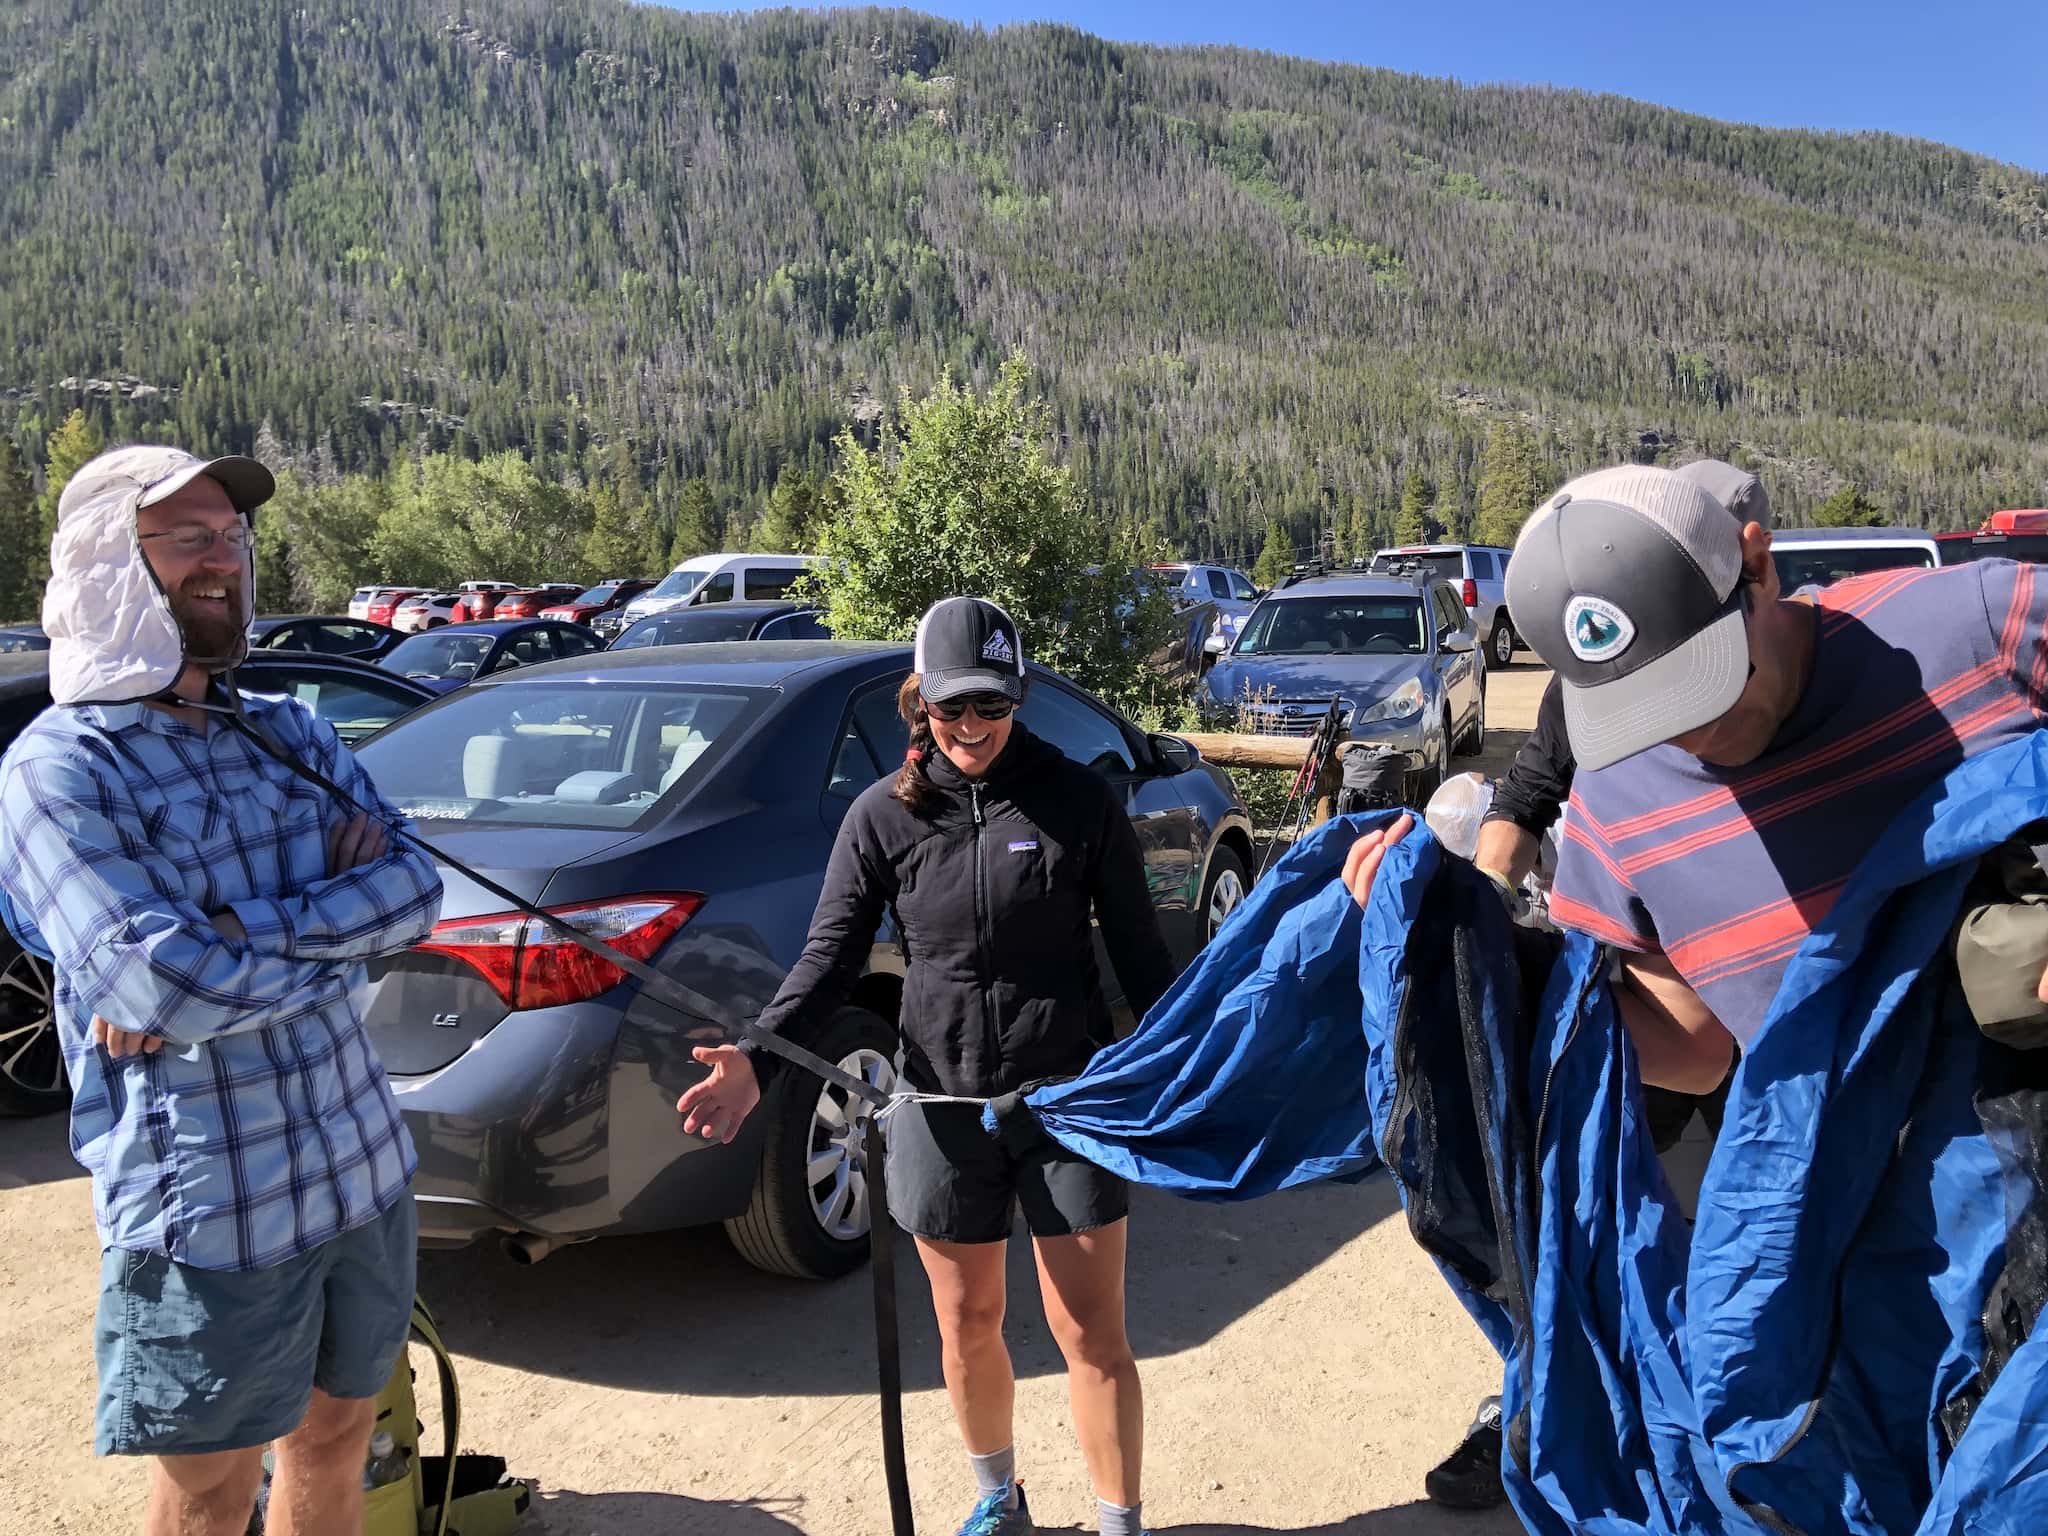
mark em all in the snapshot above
pixel 681 801
pixel 1398 653
pixel 446 657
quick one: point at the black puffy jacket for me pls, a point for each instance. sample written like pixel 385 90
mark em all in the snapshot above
pixel 992 887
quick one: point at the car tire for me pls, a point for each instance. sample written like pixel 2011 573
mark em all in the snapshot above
pixel 787 1227
pixel 1474 740
pixel 1430 778
pixel 1223 892
pixel 1500 645
pixel 32 1076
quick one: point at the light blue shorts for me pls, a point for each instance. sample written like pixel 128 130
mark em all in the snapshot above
pixel 200 1360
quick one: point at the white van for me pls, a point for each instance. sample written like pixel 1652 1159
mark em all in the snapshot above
pixel 721 579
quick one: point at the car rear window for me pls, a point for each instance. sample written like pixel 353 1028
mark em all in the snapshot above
pixel 1342 626
pixel 692 626
pixel 580 754
pixel 1818 567
pixel 1449 564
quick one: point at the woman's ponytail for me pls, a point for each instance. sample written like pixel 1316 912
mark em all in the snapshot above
pixel 914 785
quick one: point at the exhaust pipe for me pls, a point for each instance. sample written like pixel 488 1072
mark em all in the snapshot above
pixel 528 1248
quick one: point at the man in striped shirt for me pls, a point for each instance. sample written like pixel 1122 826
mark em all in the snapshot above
pixel 1739 749
pixel 210 917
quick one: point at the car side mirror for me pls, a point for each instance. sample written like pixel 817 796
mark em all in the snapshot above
pixel 1177 754
pixel 1456 640
pixel 1215 645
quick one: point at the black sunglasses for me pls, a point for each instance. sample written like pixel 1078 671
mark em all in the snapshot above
pixel 989 706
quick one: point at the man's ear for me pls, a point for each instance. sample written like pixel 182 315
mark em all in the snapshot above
pixel 1758 568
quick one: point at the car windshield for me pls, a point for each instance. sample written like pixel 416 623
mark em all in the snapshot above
pixel 439 653
pixel 596 594
pixel 1448 564
pixel 694 626
pixel 565 755
pixel 1817 567
pixel 1335 626
pixel 679 583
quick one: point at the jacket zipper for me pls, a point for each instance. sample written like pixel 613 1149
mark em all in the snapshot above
pixel 982 936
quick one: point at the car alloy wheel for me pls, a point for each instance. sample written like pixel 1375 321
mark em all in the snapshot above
pixel 838 1168
pixel 1503 644
pixel 31 1061
pixel 1225 897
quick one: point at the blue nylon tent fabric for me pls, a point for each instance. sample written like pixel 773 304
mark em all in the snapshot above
pixel 1786 1365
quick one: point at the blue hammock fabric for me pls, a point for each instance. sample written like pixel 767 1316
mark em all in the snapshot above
pixel 1842 1344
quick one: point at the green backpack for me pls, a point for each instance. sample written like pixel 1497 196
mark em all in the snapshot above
pixel 415 1495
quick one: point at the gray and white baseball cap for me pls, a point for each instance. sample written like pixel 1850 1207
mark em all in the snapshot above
pixel 968 645
pixel 1628 584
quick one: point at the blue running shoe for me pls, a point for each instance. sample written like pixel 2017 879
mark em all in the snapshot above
pixel 991 1518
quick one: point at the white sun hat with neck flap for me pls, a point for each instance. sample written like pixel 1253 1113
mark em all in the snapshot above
pixel 113 636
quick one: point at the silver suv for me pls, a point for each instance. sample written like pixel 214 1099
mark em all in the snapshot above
pixel 1479 572
pixel 1397 652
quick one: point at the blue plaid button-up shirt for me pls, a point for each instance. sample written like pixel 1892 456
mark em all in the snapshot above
pixel 265 1125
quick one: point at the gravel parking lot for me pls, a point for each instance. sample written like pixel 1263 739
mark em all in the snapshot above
pixel 1303 1366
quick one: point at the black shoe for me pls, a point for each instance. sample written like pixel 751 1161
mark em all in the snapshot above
pixel 1469 1478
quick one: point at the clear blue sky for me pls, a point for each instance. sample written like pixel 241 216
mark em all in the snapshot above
pixel 1966 72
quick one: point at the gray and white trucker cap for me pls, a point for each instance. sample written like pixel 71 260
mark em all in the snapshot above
pixel 1628 584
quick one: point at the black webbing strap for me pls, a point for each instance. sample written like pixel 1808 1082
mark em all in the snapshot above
pixel 888 1358
pixel 689 1001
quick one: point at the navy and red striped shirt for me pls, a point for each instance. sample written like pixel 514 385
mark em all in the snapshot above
pixel 1726 870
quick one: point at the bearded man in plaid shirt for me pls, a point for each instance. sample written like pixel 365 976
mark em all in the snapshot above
pixel 210 916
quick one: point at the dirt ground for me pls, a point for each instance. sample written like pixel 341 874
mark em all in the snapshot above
pixel 1303 1367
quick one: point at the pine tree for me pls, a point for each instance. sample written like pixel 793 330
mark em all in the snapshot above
pixel 75 442
pixel 20 598
pixel 1411 526
pixel 696 530
pixel 1276 560
pixel 785 528
pixel 1850 507
pixel 1511 481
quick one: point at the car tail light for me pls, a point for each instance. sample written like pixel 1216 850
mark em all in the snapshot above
pixel 530 967
pixel 1470 593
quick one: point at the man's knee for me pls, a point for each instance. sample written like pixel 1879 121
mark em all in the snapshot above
pixel 334 1427
pixel 211 1492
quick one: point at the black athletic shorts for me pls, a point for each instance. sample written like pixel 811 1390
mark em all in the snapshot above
pixel 952 1181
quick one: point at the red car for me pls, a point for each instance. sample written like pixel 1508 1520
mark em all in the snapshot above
pixel 588 604
pixel 528 602
pixel 384 603
pixel 479 600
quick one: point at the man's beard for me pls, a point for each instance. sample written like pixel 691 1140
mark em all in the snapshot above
pixel 211 637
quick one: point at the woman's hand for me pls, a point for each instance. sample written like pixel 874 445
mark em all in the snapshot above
pixel 717 1107
pixel 1362 864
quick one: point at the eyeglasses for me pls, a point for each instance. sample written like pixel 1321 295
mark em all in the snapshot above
pixel 197 540
pixel 989 706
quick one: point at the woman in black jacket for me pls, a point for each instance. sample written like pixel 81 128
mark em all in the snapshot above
pixel 993 851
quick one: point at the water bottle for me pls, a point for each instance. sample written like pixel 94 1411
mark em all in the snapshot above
pixel 389 1461
pixel 1455 811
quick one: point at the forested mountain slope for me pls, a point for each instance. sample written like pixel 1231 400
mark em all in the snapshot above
pixel 627 240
